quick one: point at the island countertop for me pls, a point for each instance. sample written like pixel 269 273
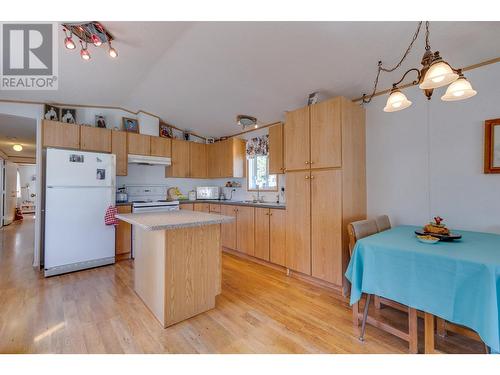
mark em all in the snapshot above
pixel 151 221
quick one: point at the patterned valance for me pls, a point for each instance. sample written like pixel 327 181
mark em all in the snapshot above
pixel 258 146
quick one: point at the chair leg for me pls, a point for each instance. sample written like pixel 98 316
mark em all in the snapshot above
pixel 376 302
pixel 441 327
pixel 365 315
pixel 413 330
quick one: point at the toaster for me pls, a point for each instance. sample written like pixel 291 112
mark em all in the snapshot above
pixel 207 192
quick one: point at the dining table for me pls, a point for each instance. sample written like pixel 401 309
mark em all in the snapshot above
pixel 458 281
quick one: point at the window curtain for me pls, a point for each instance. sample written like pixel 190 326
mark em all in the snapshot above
pixel 258 146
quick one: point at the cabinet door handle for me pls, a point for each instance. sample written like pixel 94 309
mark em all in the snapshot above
pixel 307 177
pixel 312 162
pixel 312 177
pixel 307 162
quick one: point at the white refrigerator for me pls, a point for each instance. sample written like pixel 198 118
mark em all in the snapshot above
pixel 79 187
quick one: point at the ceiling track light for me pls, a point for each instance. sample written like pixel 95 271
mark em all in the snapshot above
pixel 434 73
pixel 84 53
pixel 112 52
pixel 68 40
pixel 17 147
pixel 93 33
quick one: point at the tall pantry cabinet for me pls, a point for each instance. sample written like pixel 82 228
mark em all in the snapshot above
pixel 326 186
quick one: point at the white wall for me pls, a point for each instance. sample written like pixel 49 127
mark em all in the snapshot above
pixel 413 175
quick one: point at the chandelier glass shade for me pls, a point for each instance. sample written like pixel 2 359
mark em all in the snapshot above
pixel 396 102
pixel 459 90
pixel 439 74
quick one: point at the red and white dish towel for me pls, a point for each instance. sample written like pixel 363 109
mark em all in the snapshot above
pixel 110 216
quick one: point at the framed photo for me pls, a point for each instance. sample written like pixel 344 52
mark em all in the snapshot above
pixel 492 146
pixel 100 121
pixel 130 125
pixel 166 131
pixel 68 115
pixel 51 112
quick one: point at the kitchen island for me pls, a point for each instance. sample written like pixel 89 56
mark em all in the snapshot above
pixel 177 264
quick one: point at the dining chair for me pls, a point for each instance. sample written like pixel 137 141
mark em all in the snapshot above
pixel 383 223
pixel 356 231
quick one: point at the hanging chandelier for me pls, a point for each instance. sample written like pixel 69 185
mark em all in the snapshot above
pixel 434 73
pixel 88 33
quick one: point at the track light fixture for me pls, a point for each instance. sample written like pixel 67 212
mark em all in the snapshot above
pixel 88 33
pixel 434 73
pixel 84 53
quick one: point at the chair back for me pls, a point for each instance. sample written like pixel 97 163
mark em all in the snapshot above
pixel 360 229
pixel 383 223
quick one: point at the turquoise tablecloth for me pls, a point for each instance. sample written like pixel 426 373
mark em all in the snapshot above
pixel 458 281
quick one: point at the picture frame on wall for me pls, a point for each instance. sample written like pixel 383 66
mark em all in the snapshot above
pixel 492 146
pixel 166 131
pixel 68 115
pixel 100 121
pixel 51 112
pixel 130 125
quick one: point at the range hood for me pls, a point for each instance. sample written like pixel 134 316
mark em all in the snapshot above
pixel 148 160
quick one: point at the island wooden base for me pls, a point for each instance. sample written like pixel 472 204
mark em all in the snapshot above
pixel 178 271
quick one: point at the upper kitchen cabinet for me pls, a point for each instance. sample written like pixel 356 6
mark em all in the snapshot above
pixel 326 141
pixel 161 147
pixel 180 159
pixel 226 158
pixel 297 139
pixel 61 135
pixel 276 151
pixel 198 160
pixel 139 144
pixel 95 139
pixel 119 148
pixel 313 137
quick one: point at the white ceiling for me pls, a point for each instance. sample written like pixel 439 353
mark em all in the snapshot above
pixel 200 75
pixel 17 129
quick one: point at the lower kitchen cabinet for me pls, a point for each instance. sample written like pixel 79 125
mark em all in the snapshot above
pixel 262 225
pixel 228 230
pixel 215 208
pixel 123 235
pixel 277 228
pixel 245 220
pixel 298 222
pixel 187 206
pixel 203 207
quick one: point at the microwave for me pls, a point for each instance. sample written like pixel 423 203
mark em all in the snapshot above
pixel 207 192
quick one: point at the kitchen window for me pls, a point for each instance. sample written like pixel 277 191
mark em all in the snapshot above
pixel 258 175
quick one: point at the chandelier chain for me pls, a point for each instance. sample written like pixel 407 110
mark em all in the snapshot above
pixel 389 70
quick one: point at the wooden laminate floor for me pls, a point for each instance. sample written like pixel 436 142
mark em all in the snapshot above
pixel 96 311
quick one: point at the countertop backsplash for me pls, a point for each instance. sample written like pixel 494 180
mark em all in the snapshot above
pixel 155 175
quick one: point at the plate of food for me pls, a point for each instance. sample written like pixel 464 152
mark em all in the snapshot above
pixel 438 229
pixel 426 238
